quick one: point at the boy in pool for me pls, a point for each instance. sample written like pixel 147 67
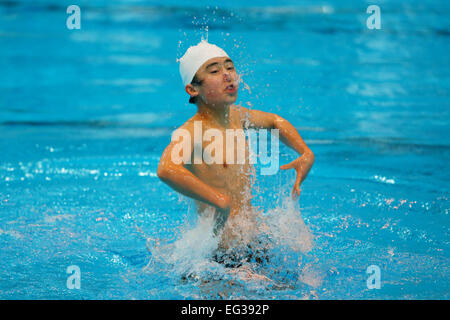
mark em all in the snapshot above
pixel 210 79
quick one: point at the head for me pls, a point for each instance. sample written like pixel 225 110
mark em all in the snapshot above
pixel 215 83
pixel 209 75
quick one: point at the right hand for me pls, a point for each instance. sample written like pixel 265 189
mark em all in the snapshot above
pixel 231 211
pixel 224 202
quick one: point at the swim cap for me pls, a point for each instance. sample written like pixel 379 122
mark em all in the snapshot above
pixel 195 57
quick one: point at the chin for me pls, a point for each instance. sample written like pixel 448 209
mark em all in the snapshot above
pixel 225 102
pixel 232 99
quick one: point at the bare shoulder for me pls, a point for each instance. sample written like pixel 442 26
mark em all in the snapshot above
pixel 252 118
pixel 180 136
pixel 246 116
pixel 189 124
pixel 184 133
pixel 240 113
pixel 239 109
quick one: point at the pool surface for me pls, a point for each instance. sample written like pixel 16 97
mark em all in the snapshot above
pixel 85 115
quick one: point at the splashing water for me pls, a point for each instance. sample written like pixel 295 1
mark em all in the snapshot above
pixel 246 86
pixel 271 255
pixel 286 226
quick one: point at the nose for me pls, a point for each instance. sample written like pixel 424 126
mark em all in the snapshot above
pixel 227 75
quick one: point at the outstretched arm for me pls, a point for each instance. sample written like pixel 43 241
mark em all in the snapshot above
pixel 289 136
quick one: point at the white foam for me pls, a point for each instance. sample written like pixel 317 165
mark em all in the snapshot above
pixel 286 227
pixel 191 254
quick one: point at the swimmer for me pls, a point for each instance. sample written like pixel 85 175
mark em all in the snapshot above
pixel 223 189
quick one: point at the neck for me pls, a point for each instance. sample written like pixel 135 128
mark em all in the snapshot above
pixel 220 114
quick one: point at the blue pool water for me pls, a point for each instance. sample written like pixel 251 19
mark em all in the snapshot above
pixel 85 115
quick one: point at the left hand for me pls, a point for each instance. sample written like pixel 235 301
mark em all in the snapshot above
pixel 302 168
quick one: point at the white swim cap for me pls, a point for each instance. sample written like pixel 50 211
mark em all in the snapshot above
pixel 195 57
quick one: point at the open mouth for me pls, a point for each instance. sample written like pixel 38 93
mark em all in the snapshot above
pixel 231 88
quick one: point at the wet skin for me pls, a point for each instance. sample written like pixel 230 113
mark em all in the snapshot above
pixel 225 189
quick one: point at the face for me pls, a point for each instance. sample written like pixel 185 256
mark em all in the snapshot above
pixel 219 82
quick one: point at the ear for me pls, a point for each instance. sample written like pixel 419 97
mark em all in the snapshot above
pixel 191 90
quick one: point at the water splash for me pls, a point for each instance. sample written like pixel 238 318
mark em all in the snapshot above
pixel 285 226
pixel 271 254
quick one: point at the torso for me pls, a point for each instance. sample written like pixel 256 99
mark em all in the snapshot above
pixel 233 179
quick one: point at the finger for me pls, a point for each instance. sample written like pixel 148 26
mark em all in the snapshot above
pixel 294 195
pixel 295 191
pixel 287 166
pixel 298 180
